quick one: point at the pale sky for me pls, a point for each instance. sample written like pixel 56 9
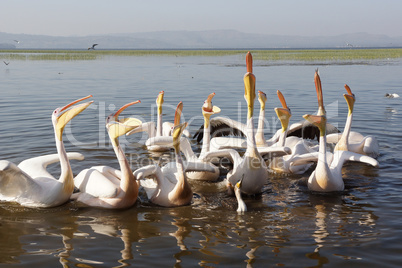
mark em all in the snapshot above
pixel 284 17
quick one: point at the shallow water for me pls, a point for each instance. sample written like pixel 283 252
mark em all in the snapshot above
pixel 285 226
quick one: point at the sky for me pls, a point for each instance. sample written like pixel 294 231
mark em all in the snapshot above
pixel 283 17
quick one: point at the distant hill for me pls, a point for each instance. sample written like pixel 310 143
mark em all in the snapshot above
pixel 219 39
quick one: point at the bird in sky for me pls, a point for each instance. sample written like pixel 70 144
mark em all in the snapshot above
pixel 93 46
pixel 6 63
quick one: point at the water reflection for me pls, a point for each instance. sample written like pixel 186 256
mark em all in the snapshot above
pixel 335 217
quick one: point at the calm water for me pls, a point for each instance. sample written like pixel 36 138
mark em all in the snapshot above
pixel 285 226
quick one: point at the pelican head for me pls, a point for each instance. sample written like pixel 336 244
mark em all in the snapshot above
pixel 249 86
pixel 262 98
pixel 62 115
pixel 318 120
pixel 318 87
pixel 350 99
pixel 208 109
pixel 117 127
pixel 283 113
pixel 159 101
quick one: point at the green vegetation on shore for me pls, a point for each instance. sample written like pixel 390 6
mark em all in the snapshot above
pixel 263 55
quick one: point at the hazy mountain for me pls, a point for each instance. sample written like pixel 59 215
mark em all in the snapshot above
pixel 219 39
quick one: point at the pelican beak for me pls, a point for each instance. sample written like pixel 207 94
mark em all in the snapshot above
pixel 282 99
pixel 177 114
pixel 117 127
pixel 262 98
pixel 284 116
pixel 249 85
pixel 318 120
pixel 208 109
pixel 177 132
pixel 283 113
pixel 238 184
pixel 318 88
pixel 350 99
pixel 159 101
pixel 64 114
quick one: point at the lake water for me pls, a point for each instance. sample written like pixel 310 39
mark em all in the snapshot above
pixel 286 226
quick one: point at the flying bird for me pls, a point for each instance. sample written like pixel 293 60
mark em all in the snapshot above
pixel 6 63
pixel 17 41
pixel 93 46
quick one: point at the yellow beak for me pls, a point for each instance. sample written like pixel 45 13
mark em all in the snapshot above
pixel 318 120
pixel 177 114
pixel 117 127
pixel 262 98
pixel 177 132
pixel 284 116
pixel 350 99
pixel 159 101
pixel 249 93
pixel 68 112
pixel 318 87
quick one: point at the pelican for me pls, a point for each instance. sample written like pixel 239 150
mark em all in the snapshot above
pixel 250 170
pixel 170 187
pixel 162 129
pixel 29 184
pixel 327 177
pixel 354 141
pixel 104 186
pixel 92 47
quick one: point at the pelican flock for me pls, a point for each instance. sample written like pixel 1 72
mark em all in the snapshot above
pixel 298 148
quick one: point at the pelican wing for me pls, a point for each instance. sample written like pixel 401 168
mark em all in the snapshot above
pixel 307 130
pixel 37 166
pixel 342 156
pixel 198 167
pixel 273 151
pixel 222 126
pixel 14 182
pixel 231 154
pixel 304 159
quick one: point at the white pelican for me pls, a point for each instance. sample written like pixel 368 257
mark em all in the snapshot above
pixel 355 142
pixel 298 146
pixel 170 187
pixel 162 129
pixel 104 186
pixel 29 184
pixel 251 169
pixel 327 177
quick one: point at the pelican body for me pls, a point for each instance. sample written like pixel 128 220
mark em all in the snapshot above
pixel 168 186
pixel 104 186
